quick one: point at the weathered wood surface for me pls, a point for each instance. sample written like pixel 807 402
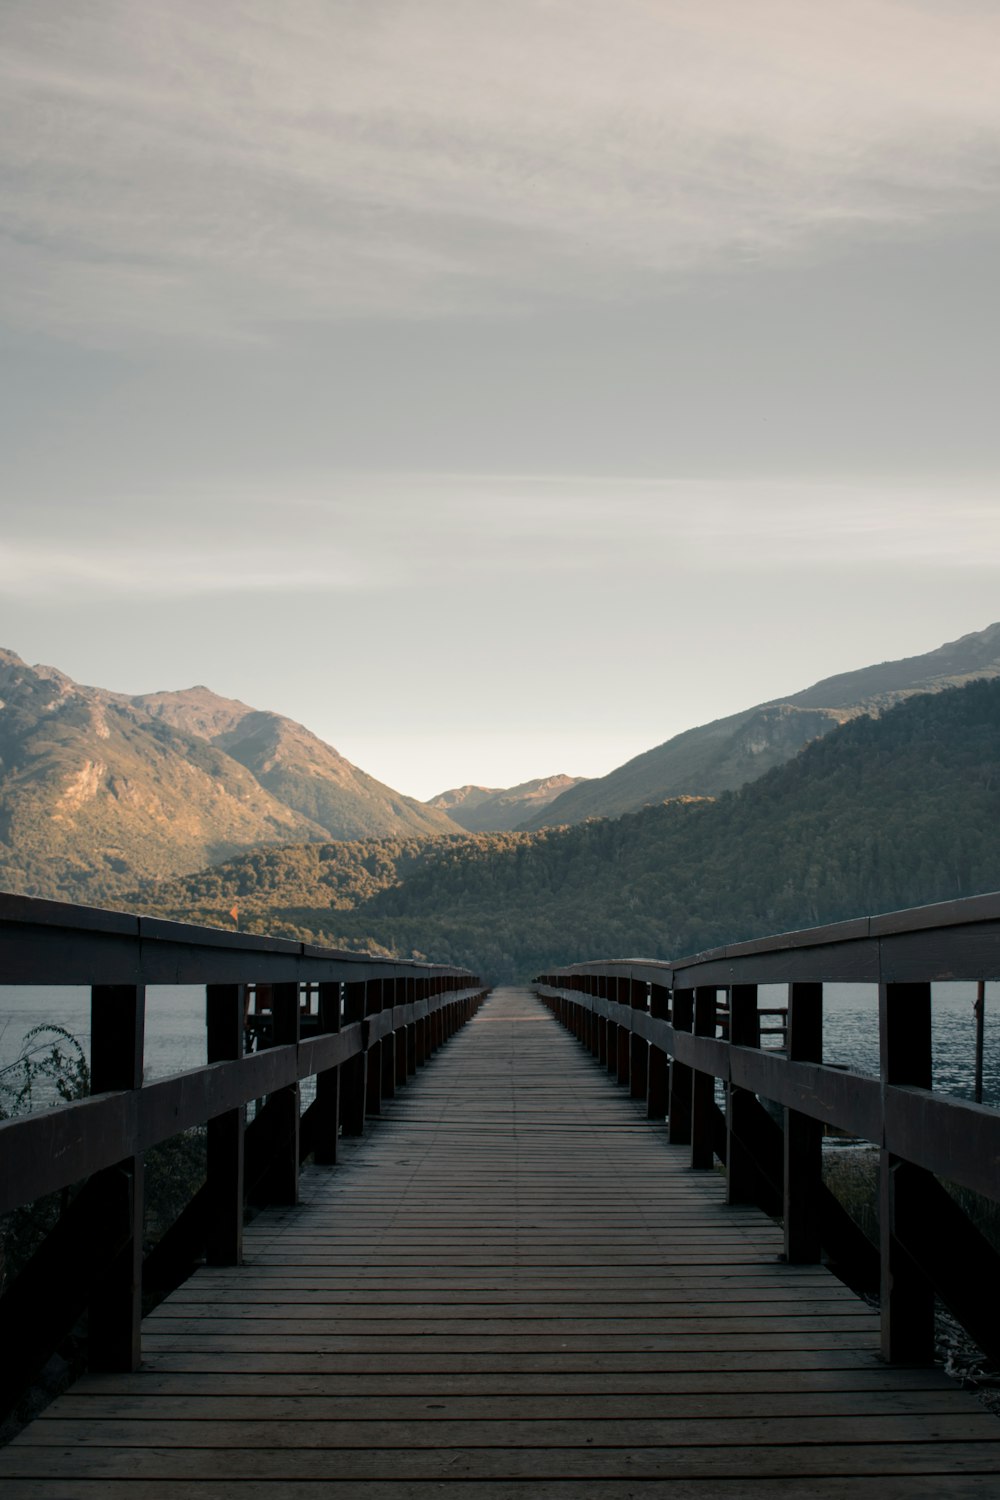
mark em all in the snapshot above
pixel 513 1287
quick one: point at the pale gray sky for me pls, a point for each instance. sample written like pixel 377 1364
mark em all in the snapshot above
pixel 497 389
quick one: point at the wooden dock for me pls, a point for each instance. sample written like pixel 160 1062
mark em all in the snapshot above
pixel 513 1286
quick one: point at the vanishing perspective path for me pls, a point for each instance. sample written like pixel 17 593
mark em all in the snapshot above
pixel 511 1287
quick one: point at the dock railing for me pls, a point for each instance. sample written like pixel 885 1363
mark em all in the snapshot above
pixel 680 1034
pixel 360 1025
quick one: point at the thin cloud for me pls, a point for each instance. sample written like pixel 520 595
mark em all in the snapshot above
pixel 387 533
pixel 211 172
pixel 35 570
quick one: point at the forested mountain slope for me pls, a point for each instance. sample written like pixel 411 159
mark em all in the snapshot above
pixel 879 814
pixel 725 754
pixel 99 790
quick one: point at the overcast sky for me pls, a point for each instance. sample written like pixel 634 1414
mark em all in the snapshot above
pixel 497 389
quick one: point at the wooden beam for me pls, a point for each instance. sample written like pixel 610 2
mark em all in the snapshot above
pixel 224 1014
pixel 907 1294
pixel 117 1030
pixel 803 1147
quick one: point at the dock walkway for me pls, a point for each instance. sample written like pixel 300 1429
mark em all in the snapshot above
pixel 512 1287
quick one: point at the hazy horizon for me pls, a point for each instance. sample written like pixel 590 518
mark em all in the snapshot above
pixel 497 393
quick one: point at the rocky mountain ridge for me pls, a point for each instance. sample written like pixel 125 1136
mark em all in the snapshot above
pixel 742 747
pixel 99 789
pixel 879 814
pixel 487 809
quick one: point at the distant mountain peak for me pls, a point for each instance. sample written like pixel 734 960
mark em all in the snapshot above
pixel 729 752
pixel 99 790
pixel 484 809
pixel 197 710
pixel 463 796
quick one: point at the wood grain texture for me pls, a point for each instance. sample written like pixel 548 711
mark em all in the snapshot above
pixel 512 1287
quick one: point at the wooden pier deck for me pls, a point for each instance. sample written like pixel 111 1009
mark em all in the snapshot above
pixel 512 1287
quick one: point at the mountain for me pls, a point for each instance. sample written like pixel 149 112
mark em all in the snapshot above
pixel 880 813
pixel 725 754
pixel 296 767
pixel 487 809
pixel 99 790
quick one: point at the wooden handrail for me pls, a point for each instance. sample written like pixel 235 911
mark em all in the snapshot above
pixel 376 1021
pixel 654 1026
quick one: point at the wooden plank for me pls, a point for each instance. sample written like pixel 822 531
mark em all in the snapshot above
pixel 853 1487
pixel 152 1384
pixel 967 1428
pixel 710 1462
pixel 503 1325
pixel 512 1285
pixel 435 1406
pixel 524 1359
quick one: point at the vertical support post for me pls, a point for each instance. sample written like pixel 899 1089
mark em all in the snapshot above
pixel 679 1111
pixel 388 1045
pixel 224 1019
pixel 403 1068
pixel 744 1031
pixel 620 989
pixel 373 1095
pixel 658 1091
pixel 611 1060
pixel 279 1182
pixel 639 1053
pixel 803 1173
pixel 353 1072
pixel 907 1298
pixel 117 1034
pixel 703 1084
pixel 328 1083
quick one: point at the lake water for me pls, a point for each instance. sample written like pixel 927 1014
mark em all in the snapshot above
pixel 175 1028
pixel 175 1022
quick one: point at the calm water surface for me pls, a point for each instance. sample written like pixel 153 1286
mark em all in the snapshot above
pixel 175 1028
pixel 175 1022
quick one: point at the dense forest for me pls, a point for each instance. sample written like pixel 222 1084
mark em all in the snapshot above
pixel 881 813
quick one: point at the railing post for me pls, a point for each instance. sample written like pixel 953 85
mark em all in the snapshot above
pixel 418 1043
pixel 703 1084
pixel 620 993
pixel 398 987
pixel 639 1047
pixel 658 1092
pixel 328 1083
pixel 353 1072
pixel 611 1056
pixel 117 1029
pixel 803 1156
pixel 373 1093
pixel 907 1298
pixel 224 1018
pixel 744 1031
pixel 679 1111
pixel 388 1046
pixel 279 1182
pixel 423 1025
